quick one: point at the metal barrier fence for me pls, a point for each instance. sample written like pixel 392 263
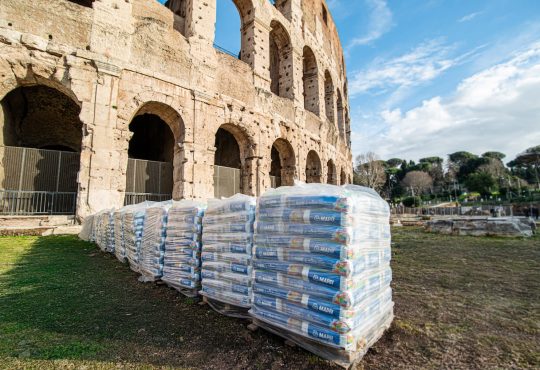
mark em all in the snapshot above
pixel 37 181
pixel 13 202
pixel 275 182
pixel 135 198
pixel 226 181
pixel 452 211
pixel 148 180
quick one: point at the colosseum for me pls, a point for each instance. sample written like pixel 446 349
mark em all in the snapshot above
pixel 111 102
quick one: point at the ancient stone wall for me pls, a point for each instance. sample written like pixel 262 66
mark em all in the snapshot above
pixel 117 60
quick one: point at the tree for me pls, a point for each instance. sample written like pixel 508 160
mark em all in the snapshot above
pixel 418 181
pixel 481 182
pixel 394 162
pixel 495 155
pixel 370 171
pixel 529 162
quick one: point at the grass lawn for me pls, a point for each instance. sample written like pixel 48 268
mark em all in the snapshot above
pixel 461 302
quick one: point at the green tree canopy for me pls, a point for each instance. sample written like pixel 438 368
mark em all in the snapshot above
pixel 494 155
pixel 480 182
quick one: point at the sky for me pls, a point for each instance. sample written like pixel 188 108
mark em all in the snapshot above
pixel 432 77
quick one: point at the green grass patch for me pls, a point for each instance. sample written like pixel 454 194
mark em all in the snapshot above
pixel 461 302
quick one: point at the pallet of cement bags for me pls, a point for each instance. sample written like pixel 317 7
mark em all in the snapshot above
pixel 321 267
pixel 152 250
pixel 226 254
pixel 133 227
pixel 182 257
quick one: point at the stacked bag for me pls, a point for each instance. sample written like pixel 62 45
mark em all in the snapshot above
pixel 152 250
pixel 133 227
pixel 226 254
pixel 105 231
pixel 119 243
pixel 321 268
pixel 182 263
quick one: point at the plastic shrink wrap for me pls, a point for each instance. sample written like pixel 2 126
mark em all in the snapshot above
pixel 182 255
pixel 152 251
pixel 104 230
pixel 321 268
pixel 87 229
pixel 133 227
pixel 227 242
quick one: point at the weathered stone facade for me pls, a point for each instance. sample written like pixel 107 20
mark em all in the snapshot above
pixel 120 59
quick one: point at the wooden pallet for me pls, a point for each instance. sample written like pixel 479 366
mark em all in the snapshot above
pixel 341 357
pixel 225 308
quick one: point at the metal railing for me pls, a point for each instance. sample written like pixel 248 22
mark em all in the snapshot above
pixel 225 51
pixel 148 181
pixel 38 181
pixel 17 203
pixel 135 198
pixel 275 182
pixel 226 181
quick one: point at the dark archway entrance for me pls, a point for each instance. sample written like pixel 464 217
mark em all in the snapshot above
pixel 282 167
pixel 151 153
pixel 313 168
pixel 331 175
pixel 227 165
pixel 40 143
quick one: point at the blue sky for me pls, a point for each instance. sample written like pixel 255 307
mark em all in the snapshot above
pixel 430 77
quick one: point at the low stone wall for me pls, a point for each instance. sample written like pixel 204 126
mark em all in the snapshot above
pixel 505 227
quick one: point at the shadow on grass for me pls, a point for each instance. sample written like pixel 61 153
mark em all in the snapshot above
pixel 65 299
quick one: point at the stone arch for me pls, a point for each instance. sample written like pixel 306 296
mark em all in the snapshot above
pixel 340 115
pixel 154 170
pixel 179 9
pixel 41 133
pixel 284 6
pixel 85 3
pixel 283 163
pixel 331 172
pixel 342 178
pixel 246 13
pixel 232 161
pixel 329 96
pixel 280 59
pixel 311 81
pixel 347 129
pixel 313 168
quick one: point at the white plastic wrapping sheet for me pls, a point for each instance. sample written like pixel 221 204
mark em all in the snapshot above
pixel 321 267
pixel 227 242
pixel 104 230
pixel 133 227
pixel 152 250
pixel 182 253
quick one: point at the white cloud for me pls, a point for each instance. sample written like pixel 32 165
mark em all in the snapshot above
pixel 380 22
pixel 495 109
pixel 469 17
pixel 422 64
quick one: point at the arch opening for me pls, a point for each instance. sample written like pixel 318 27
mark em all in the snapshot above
pixel 85 3
pixel 231 32
pixel 329 96
pixel 313 168
pixel 280 58
pixel 311 81
pixel 230 168
pixel 343 178
pixel 331 173
pixel 283 164
pixel 40 144
pixel 340 116
pixel 179 9
pixel 156 129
